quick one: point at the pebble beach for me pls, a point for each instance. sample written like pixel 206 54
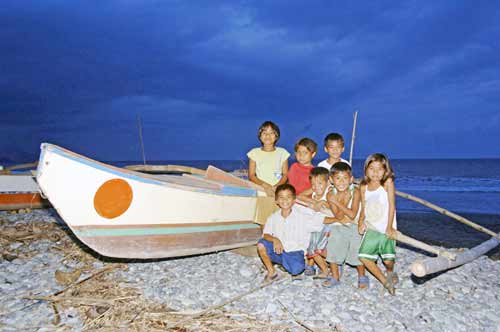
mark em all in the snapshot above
pixel 50 282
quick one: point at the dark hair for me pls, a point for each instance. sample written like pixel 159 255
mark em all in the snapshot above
pixel 340 167
pixel 283 187
pixel 334 137
pixel 271 125
pixel 319 171
pixel 382 158
pixel 308 143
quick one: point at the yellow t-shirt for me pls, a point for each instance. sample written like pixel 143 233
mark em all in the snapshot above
pixel 269 164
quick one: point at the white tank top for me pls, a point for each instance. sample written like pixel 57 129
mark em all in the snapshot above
pixel 323 198
pixel 377 209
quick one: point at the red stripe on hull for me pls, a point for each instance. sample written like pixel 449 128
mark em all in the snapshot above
pixel 13 201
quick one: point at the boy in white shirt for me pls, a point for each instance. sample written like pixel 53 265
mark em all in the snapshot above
pixel 334 146
pixel 286 234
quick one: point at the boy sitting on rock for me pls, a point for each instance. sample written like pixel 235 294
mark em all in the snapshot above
pixel 286 234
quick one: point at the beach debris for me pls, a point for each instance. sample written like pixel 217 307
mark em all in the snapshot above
pixel 66 278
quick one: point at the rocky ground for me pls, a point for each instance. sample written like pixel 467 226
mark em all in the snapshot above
pixel 49 283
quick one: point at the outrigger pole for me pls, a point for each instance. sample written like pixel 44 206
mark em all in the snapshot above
pixel 448 213
pixel 353 136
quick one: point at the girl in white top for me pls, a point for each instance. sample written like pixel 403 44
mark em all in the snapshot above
pixel 378 219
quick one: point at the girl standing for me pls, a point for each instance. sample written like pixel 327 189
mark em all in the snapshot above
pixel 268 165
pixel 378 219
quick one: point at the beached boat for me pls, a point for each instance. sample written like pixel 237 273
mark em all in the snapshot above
pixel 20 192
pixel 123 213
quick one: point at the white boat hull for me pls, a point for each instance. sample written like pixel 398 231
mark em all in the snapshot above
pixel 122 213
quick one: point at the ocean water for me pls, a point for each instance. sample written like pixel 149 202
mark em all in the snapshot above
pixel 459 185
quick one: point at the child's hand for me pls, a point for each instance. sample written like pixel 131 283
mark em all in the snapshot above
pixel 319 205
pixel 323 205
pixel 278 246
pixel 333 200
pixel 268 189
pixel 344 221
pixel 361 227
pixel 390 233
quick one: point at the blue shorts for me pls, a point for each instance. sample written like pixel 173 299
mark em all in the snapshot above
pixel 292 261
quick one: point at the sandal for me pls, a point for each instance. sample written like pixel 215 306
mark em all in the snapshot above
pixel 393 276
pixel 309 270
pixel 390 287
pixel 321 276
pixel 363 282
pixel 269 279
pixel 330 282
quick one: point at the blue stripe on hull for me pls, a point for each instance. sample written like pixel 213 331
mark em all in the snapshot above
pixel 138 231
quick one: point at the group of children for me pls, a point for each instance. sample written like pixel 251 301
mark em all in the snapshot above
pixel 324 219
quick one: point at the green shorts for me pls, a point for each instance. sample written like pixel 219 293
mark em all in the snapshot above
pixel 376 244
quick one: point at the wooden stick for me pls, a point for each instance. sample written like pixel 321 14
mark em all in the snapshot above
pixel 299 322
pixel 139 125
pixel 73 299
pixel 93 275
pixel 353 136
pixel 421 268
pixel 424 246
pixel 448 213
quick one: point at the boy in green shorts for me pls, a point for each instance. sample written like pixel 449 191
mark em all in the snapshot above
pixel 343 244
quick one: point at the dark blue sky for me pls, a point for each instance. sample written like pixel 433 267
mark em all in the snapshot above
pixel 424 76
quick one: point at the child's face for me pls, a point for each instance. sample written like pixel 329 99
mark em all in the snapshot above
pixel 334 149
pixel 303 155
pixel 375 171
pixel 341 180
pixel 268 136
pixel 319 184
pixel 285 199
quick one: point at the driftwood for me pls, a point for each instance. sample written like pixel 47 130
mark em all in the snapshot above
pixel 424 267
pixel 448 213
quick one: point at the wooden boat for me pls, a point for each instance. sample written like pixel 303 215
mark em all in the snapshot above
pixel 20 192
pixel 126 214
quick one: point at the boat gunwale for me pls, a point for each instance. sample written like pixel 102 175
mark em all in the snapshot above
pixel 137 176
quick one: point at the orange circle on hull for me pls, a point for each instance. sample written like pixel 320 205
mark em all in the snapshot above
pixel 113 198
